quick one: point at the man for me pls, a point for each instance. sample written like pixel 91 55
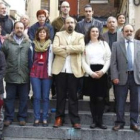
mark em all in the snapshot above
pixel 59 21
pixel 25 20
pixel 112 35
pixel 5 21
pixel 68 47
pixel 125 75
pixel 83 25
pixel 16 48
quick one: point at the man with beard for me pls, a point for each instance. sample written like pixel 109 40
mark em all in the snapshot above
pixel 125 75
pixel 68 47
pixel 15 48
pixel 5 21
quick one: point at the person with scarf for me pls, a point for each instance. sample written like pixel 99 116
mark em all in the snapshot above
pixel 40 61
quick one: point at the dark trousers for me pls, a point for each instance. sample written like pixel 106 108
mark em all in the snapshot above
pixel 121 92
pixel 67 84
pixel 11 90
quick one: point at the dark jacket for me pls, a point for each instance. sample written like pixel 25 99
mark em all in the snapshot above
pixel 32 30
pixel 80 25
pixel 16 55
pixel 2 70
pixel 6 24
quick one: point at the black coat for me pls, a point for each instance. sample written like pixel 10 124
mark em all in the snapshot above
pixel 2 70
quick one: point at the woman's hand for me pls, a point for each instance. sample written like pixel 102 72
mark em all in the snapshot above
pixel 94 75
pixel 99 73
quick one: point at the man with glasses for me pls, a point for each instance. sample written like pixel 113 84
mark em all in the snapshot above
pixel 125 75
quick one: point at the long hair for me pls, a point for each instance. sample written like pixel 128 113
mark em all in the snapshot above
pixel 40 29
pixel 87 36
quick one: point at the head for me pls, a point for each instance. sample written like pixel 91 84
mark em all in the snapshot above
pixel 137 34
pixel 18 29
pixel 25 20
pixel 88 11
pixel 41 16
pixel 128 31
pixel 70 24
pixel 42 34
pixel 121 19
pixel 2 9
pixel 47 14
pixel 65 9
pixel 111 23
pixel 93 33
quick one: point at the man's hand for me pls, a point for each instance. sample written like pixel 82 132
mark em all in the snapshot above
pixel 116 81
pixel 63 47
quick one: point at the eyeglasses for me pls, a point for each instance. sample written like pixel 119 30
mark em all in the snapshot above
pixel 65 6
pixel 128 31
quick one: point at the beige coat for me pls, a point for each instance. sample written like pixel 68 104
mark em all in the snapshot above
pixel 75 48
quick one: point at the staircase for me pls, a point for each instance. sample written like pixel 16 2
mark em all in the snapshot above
pixel 66 132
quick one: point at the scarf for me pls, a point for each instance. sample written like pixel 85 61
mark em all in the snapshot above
pixel 42 47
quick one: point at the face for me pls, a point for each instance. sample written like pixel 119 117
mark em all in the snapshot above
pixel 2 10
pixel 128 32
pixel 41 18
pixel 88 12
pixel 19 29
pixel 121 19
pixel 94 33
pixel 112 24
pixel 69 25
pixel 42 35
pixel 25 20
pixel 65 8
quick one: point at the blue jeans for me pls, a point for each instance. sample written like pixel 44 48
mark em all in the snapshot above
pixel 41 90
pixel 12 89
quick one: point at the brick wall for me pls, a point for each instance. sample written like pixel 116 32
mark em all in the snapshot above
pixel 100 10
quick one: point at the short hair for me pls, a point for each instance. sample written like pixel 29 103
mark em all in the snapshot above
pixel 18 22
pixel 126 25
pixel 119 15
pixel 87 36
pixel 40 29
pixel 71 18
pixel 40 12
pixel 137 34
pixel 110 18
pixel 88 6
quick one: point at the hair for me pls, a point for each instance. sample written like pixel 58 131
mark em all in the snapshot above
pixel 87 36
pixel 88 6
pixel 71 18
pixel 110 18
pixel 18 22
pixel 126 25
pixel 40 12
pixel 137 34
pixel 40 29
pixel 119 15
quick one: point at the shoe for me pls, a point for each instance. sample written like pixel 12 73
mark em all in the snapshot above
pixel 54 96
pixel 134 127
pixel 102 126
pixel 22 123
pixel 117 127
pixel 80 96
pixel 58 122
pixel 77 126
pixel 45 123
pixel 7 123
pixel 92 126
pixel 36 123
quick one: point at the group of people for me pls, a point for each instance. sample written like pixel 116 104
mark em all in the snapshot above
pixel 70 51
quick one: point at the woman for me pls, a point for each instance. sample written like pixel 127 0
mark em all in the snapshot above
pixel 121 21
pixel 41 17
pixel 95 62
pixel 40 62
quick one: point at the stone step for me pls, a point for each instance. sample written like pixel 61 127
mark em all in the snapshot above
pixel 68 133
pixel 85 117
pixel 83 105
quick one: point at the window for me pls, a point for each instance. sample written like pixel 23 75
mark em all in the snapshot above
pixel 98 1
